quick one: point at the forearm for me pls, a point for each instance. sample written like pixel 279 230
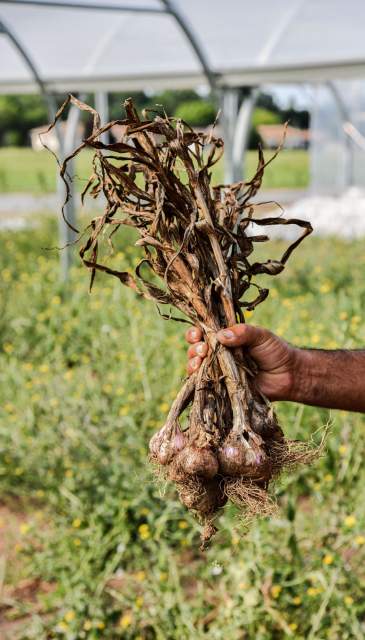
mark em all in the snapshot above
pixel 331 379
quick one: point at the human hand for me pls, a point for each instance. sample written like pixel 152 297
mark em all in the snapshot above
pixel 275 358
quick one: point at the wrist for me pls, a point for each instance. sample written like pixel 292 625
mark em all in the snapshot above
pixel 301 375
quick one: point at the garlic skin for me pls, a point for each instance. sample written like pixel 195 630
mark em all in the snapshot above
pixel 166 443
pixel 240 456
pixel 198 462
pixel 156 441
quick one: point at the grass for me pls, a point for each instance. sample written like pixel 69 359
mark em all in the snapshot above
pixel 25 170
pixel 85 380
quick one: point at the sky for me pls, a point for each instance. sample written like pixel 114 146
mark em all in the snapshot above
pixel 300 96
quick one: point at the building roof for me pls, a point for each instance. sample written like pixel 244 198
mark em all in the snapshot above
pixel 245 43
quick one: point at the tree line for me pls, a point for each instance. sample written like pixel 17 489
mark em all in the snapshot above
pixel 20 113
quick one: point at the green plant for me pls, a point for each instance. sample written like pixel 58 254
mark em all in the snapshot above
pixel 198 113
pixel 79 400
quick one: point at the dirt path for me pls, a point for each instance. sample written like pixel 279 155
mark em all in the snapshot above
pixel 18 592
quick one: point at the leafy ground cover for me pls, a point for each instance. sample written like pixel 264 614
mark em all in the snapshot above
pixel 25 170
pixel 92 545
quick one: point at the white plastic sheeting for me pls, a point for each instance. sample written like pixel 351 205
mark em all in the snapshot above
pixel 338 137
pixel 245 43
pixel 341 216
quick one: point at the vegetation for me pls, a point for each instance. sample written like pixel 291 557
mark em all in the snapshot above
pixel 197 113
pixel 93 550
pixel 25 170
pixel 20 113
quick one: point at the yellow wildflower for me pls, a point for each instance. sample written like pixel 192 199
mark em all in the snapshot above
pixel 8 347
pixel 140 576
pixel 342 449
pixel 164 406
pixel 139 602
pixel 123 411
pixel 325 287
pixel 144 531
pixel 348 600
pixel 328 559
pixel 350 521
pixel 328 477
pixel 43 368
pixel 76 523
pixel 69 616
pixel 77 542
pixel 275 590
pixel 297 601
pixel 6 275
pixel 293 626
pixel 24 528
pixel 87 625
pixel 183 524
pixel 126 620
pixel 56 300
pixel 63 626
pixel 360 540
pixel 100 625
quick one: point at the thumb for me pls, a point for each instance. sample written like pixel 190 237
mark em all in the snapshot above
pixel 242 334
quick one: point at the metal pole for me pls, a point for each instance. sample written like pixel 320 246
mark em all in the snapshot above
pixel 187 29
pixel 349 156
pixel 85 5
pixel 66 235
pixel 48 98
pixel 241 134
pixel 229 101
pixel 102 107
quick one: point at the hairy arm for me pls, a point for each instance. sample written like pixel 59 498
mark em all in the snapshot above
pixel 331 379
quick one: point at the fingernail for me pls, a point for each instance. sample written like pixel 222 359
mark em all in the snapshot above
pixel 226 333
pixel 200 349
pixel 193 333
pixel 195 363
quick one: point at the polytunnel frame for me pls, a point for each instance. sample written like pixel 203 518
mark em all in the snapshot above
pixel 235 121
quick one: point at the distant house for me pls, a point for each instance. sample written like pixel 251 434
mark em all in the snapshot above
pixel 117 132
pixel 272 135
pixel 50 139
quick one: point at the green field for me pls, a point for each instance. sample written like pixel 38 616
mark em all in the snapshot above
pixel 25 170
pixel 92 545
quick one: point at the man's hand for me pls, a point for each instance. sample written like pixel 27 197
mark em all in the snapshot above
pixel 274 357
pixel 331 379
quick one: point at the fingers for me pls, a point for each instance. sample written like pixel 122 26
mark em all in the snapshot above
pixel 194 364
pixel 242 334
pixel 198 349
pixel 193 335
